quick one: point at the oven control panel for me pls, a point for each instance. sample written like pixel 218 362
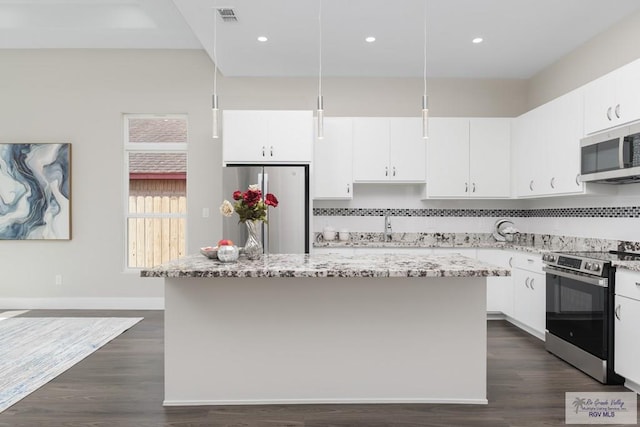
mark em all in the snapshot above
pixel 588 266
pixel 569 262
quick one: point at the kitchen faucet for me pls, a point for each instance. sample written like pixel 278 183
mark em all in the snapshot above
pixel 387 228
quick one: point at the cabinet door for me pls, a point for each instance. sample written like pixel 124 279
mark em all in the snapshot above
pixel 529 299
pixel 538 303
pixel 566 128
pixel 332 160
pixel 245 136
pixel 529 159
pixel 599 99
pixel 628 93
pixel 370 149
pixel 489 157
pixel 290 136
pixel 448 158
pixel 499 289
pixel 407 149
pixel 627 345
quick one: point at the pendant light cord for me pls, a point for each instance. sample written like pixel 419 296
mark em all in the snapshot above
pixel 215 43
pixel 320 48
pixel 425 48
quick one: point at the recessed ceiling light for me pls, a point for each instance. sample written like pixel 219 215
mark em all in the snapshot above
pixel 477 40
pixel 370 39
pixel 262 39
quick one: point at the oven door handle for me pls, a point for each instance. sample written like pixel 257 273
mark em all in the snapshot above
pixel 597 281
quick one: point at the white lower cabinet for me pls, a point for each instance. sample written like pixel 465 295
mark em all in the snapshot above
pixel 499 289
pixel 529 293
pixel 627 324
pixel 529 300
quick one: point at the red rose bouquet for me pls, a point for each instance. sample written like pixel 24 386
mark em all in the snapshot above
pixel 250 205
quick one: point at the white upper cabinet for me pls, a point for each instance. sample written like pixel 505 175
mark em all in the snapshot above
pixel 251 136
pixel 332 160
pixel 546 144
pixel 565 129
pixel 448 157
pixel 613 99
pixel 489 157
pixel 468 158
pixel 388 149
pixel 407 149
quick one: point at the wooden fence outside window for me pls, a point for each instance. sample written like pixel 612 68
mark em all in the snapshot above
pixel 156 229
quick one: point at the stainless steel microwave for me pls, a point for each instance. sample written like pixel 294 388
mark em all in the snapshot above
pixel 612 157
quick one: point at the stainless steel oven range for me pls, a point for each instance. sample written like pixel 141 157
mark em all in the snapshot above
pixel 579 310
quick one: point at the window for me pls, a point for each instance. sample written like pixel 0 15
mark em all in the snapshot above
pixel 156 188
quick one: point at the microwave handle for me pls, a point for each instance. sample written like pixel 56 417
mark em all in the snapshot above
pixel 621 152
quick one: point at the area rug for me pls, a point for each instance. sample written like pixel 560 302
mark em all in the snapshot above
pixel 33 351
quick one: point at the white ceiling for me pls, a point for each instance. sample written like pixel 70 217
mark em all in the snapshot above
pixel 521 36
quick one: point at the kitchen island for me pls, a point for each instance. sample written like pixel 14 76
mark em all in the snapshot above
pixel 325 329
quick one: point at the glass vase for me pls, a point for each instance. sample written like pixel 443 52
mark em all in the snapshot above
pixel 253 246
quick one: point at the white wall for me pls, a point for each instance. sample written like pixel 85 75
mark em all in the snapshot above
pixel 79 96
pixel 605 52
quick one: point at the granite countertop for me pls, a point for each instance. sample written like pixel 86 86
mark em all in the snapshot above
pixel 627 265
pixel 431 240
pixel 329 265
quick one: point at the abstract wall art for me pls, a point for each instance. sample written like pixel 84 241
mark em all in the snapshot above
pixel 35 191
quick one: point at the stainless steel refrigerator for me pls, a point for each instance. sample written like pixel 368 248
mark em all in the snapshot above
pixel 288 225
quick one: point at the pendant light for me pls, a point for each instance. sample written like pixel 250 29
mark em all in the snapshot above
pixel 320 112
pixel 425 98
pixel 214 98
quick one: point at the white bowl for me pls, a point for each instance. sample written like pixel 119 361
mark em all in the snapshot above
pixel 329 235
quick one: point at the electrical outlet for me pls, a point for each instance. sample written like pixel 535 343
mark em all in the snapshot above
pixel 205 212
pixel 58 279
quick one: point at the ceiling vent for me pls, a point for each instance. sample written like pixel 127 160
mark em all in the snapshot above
pixel 227 14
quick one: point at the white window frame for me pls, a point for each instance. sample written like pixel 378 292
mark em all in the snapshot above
pixel 147 147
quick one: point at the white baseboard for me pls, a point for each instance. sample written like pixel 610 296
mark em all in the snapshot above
pixel 82 303
pixel 172 402
pixel 526 328
pixel 632 386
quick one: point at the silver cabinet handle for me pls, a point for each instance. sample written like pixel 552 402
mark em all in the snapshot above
pixel 578 179
pixel 531 185
pixel 394 171
pixel 263 150
pixel 617 111
pixel 386 171
pixel 510 261
pixel 617 312
pixel 348 189
pixel 473 188
pixel 466 187
pixel 609 113
pixel 526 282
pixel 531 284
pixel 553 182
pixel 272 151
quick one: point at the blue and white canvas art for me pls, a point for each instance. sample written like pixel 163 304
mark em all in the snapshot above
pixel 35 191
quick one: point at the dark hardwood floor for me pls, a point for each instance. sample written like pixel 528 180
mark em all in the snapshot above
pixel 122 385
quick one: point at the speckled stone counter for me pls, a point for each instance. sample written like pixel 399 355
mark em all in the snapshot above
pixel 524 242
pixel 627 265
pixel 312 329
pixel 330 265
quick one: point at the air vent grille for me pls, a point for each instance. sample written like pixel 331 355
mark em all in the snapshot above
pixel 227 14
